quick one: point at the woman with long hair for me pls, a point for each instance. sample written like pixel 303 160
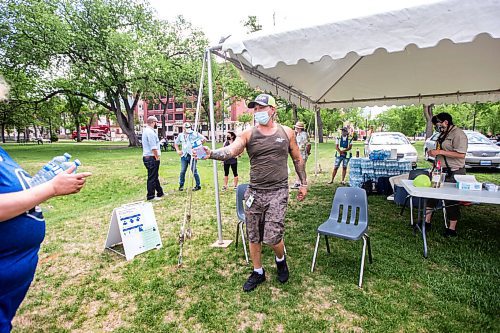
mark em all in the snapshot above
pixel 230 163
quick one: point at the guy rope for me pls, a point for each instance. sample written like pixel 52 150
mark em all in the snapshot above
pixel 185 231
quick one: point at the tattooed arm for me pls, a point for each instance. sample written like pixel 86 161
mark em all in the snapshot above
pixel 233 150
pixel 225 153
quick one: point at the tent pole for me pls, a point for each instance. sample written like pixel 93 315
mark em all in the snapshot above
pixel 220 242
pixel 316 109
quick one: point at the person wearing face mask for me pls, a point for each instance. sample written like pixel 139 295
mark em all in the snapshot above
pixel 342 154
pixel 151 157
pixel 304 147
pixel 186 139
pixel 230 163
pixel 451 147
pixel 268 145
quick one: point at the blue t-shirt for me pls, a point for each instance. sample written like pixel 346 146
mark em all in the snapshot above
pixel 21 236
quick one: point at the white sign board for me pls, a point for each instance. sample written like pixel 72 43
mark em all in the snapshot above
pixel 134 226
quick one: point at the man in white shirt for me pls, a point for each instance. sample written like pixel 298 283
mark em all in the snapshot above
pixel 151 157
pixel 186 139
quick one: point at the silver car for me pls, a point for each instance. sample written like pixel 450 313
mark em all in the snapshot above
pixel 392 140
pixel 481 152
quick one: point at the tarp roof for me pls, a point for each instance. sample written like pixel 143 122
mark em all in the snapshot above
pixel 445 52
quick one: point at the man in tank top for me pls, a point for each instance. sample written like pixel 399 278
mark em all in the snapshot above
pixel 268 145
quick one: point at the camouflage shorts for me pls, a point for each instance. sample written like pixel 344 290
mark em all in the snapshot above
pixel 265 219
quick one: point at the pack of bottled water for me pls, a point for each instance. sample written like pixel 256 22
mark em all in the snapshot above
pixel 379 155
pixel 404 166
pixel 366 163
pixel 355 162
pixel 55 166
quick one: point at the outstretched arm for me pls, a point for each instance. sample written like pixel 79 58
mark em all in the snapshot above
pixel 225 153
pixel 15 203
pixel 233 150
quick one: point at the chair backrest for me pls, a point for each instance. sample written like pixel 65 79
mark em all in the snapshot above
pixel 417 172
pixel 352 203
pixel 240 193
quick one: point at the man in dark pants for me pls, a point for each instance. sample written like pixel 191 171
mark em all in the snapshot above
pixel 151 157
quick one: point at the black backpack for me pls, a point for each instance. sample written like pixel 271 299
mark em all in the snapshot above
pixel 368 185
pixel 384 186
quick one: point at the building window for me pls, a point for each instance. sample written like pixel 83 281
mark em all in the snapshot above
pixel 178 105
pixel 189 105
pixel 170 128
pixel 170 106
pixel 179 116
pixel 170 116
pixel 179 129
pixel 204 127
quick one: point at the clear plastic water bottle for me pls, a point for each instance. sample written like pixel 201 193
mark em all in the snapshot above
pixel 58 160
pixel 66 165
pixel 198 148
pixel 49 171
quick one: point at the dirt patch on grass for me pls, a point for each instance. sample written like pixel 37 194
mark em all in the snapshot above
pixel 321 303
pixel 250 320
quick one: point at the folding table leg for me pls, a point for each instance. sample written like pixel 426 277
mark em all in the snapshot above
pixel 424 236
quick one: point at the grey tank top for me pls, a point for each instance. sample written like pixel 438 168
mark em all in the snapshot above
pixel 268 159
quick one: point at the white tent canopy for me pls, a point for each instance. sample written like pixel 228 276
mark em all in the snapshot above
pixel 444 52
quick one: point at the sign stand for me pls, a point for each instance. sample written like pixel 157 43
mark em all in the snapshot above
pixel 134 226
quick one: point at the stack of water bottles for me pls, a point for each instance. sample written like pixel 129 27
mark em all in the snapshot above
pixel 377 165
pixel 57 165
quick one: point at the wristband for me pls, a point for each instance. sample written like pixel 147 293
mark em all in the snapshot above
pixel 303 185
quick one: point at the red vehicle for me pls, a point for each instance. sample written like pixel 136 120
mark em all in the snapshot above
pixel 101 132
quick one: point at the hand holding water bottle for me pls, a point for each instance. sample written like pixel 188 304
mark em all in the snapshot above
pixel 68 182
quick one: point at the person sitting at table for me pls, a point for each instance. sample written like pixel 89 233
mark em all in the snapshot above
pixel 451 147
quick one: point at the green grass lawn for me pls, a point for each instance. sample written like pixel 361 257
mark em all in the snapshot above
pixel 79 287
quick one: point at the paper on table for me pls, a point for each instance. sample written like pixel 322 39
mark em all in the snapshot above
pixel 466 179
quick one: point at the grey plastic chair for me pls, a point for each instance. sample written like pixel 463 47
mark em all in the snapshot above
pixel 348 220
pixel 240 212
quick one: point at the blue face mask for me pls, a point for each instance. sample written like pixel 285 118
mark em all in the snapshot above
pixel 262 117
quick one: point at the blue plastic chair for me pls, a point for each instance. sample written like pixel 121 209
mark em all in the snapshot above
pixel 348 220
pixel 240 212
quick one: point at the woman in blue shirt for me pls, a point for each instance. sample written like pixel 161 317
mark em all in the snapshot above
pixel 22 228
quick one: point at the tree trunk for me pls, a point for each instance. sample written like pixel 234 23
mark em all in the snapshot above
pixel 3 132
pixel 320 127
pixel 164 118
pixel 125 121
pixel 294 113
pixel 428 110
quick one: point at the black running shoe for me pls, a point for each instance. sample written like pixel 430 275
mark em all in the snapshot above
pixel 196 188
pixel 253 281
pixel 181 188
pixel 449 233
pixel 282 268
pixel 428 226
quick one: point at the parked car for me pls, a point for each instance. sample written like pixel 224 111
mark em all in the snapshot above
pixel 481 152
pixel 392 140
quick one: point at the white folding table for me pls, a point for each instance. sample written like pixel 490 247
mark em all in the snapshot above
pixel 448 191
